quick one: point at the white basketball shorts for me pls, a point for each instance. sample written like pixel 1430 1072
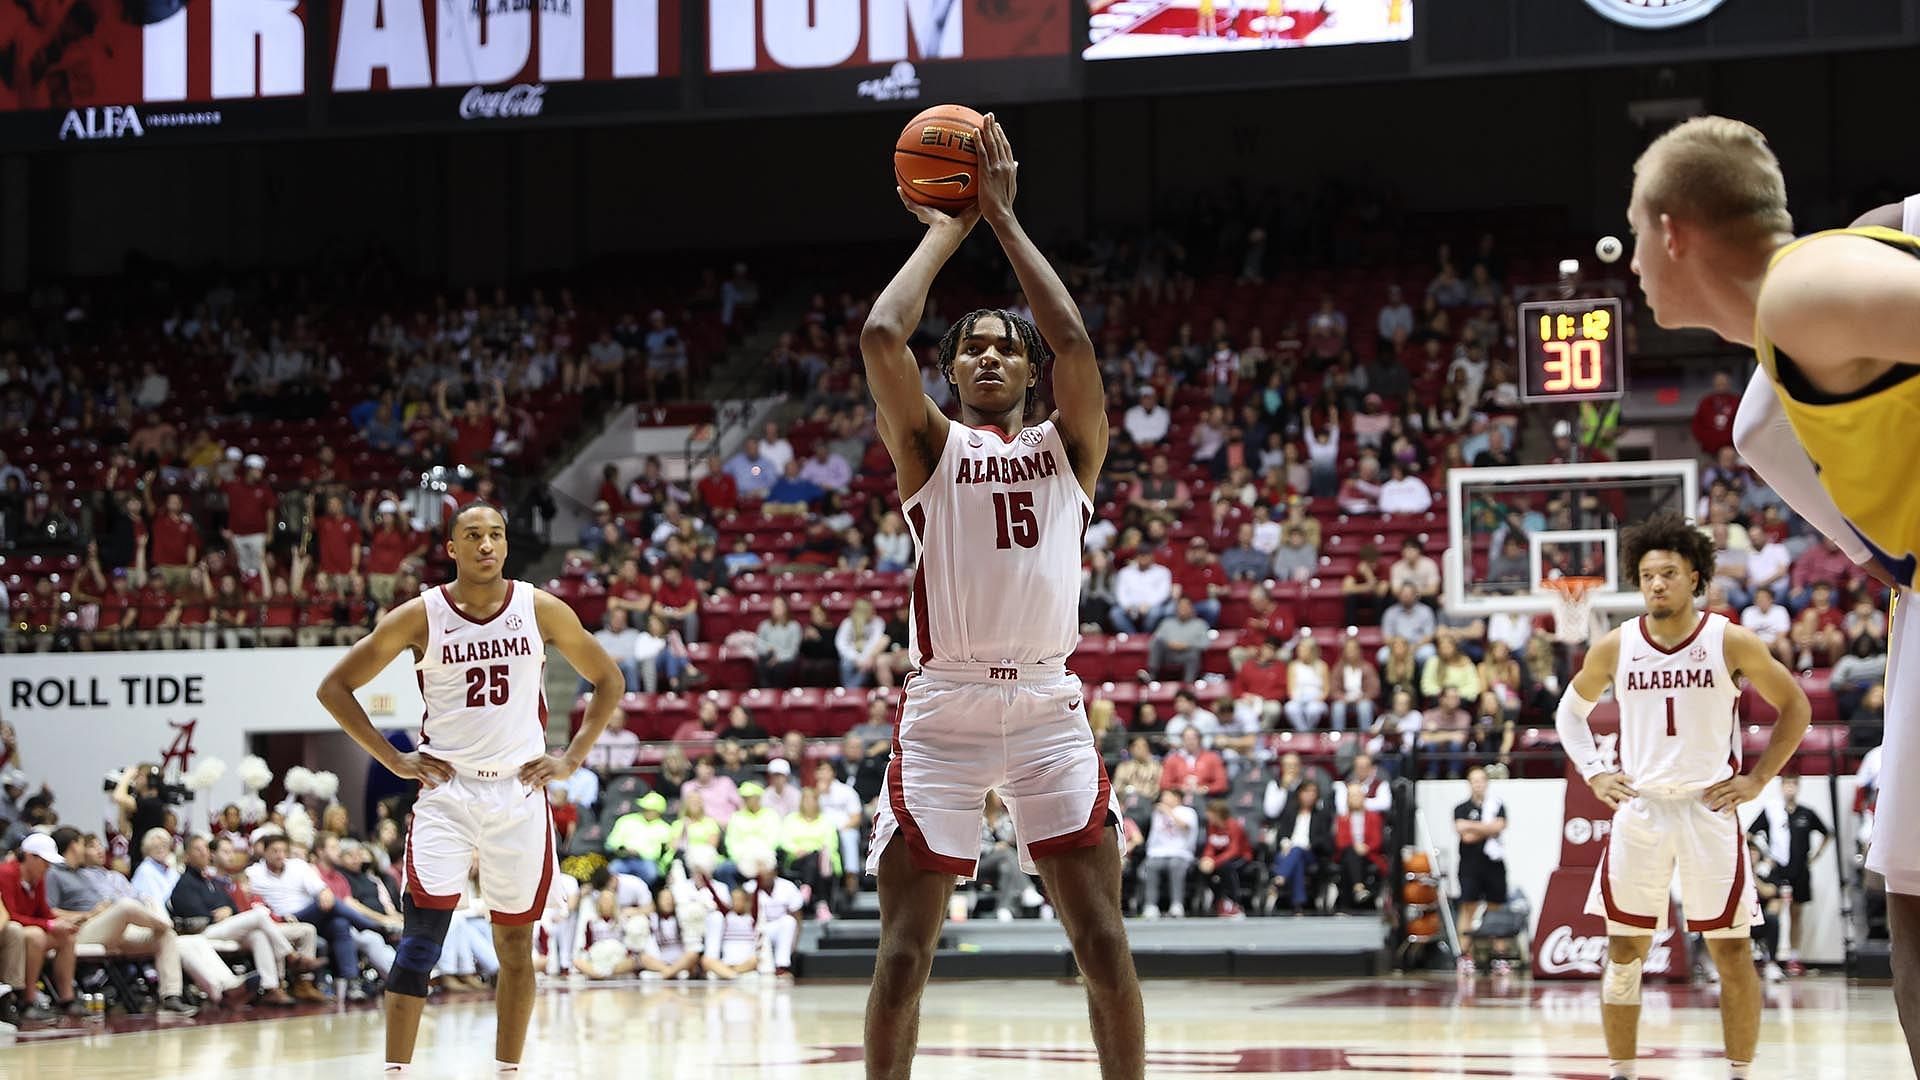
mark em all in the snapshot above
pixel 504 824
pixel 1018 730
pixel 1653 836
pixel 1895 851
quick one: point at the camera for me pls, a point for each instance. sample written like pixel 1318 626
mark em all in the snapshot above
pixel 170 794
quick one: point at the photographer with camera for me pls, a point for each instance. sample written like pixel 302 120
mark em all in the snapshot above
pixel 143 800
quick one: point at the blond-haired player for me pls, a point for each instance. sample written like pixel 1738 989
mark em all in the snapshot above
pixel 1834 319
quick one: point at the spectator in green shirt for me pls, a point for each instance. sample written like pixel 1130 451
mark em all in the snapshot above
pixel 638 843
pixel 810 851
pixel 753 827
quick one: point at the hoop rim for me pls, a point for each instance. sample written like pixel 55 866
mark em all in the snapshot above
pixel 1573 588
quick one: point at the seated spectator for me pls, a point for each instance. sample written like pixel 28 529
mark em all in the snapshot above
pixel 1819 634
pixel 1507 566
pixel 1357 837
pixel 1867 619
pixel 1000 861
pixel 892 545
pixel 1244 562
pixel 792 493
pixel 619 639
pixel 809 850
pixel 1450 666
pixel 1820 562
pixel 1415 568
pixel 1187 713
pixel 1160 493
pixel 1307 685
pixel 1404 493
pixel 1147 422
pixel 1864 664
pixel 1209 442
pixel 1866 723
pixel 666 356
pixel 1353 688
pixel 1193 770
pixel 1769 622
pixel 1225 858
pixel 1143 594
pixel 1410 621
pixel 1172 839
pixel 752 471
pixel 1138 777
pixel 1181 639
pixel 1444 728
pixel 1363 591
pixel 777 646
pixel 292 888
pixel 616 748
pixel 1768 566
pixel 1303 839
pixel 860 641
pixel 1360 494
pixel 1200 580
pixel 1096 593
pixel 677 600
pixel 1260 685
pixel 719 797
pixel 639 843
pixel 1397 731
pixel 1295 559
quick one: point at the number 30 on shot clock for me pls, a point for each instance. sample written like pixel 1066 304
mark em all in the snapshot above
pixel 1571 350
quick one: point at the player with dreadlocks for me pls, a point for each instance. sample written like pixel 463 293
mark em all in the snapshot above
pixel 1676 785
pixel 997 508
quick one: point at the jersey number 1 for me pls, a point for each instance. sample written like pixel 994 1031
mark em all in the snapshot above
pixel 489 686
pixel 1013 518
pixel 1672 731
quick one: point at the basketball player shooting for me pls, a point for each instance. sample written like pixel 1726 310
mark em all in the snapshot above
pixel 483 766
pixel 997 507
pixel 1675 674
pixel 1834 319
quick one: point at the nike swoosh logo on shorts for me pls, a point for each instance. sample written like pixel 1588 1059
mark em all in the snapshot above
pixel 1073 706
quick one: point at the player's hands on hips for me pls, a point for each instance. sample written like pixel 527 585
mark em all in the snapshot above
pixel 934 218
pixel 544 770
pixel 1612 788
pixel 999 178
pixel 429 770
pixel 1728 794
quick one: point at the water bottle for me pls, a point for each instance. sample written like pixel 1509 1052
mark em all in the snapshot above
pixel 96 1007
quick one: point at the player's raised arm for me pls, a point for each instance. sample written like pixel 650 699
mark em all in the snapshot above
pixel 1077 392
pixel 907 417
pixel 402 630
pixel 560 627
pixel 1840 302
pixel 1747 655
pixel 1576 738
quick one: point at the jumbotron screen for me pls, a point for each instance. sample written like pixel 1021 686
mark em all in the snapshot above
pixel 1126 29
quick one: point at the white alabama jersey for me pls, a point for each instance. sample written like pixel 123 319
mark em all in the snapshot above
pixel 998 526
pixel 777 901
pixel 1678 727
pixel 483 682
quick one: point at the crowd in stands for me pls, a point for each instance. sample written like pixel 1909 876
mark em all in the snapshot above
pixel 243 469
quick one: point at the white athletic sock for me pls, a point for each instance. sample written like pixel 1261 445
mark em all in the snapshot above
pixel 505 1066
pixel 1737 1070
pixel 398 1068
pixel 1628 1069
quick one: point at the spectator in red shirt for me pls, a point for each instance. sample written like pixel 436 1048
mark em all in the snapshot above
pixel 631 593
pixel 677 600
pixel 1357 836
pixel 251 508
pixel 609 491
pixel 23 890
pixel 1225 858
pixel 337 538
pixel 325 469
pixel 718 492
pixel 389 546
pixel 119 612
pixel 1201 580
pixel 1819 634
pixel 1265 619
pixel 317 616
pixel 475 424
pixel 1260 684
pixel 1821 562
pixel 1713 417
pixel 1193 768
pixel 176 543
pixel 280 614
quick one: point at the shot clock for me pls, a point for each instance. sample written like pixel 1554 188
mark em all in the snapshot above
pixel 1571 350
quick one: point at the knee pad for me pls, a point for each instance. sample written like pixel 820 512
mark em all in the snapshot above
pixel 423 932
pixel 1621 983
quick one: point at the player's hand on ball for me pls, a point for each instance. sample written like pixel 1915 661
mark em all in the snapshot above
pixel 544 769
pixel 999 173
pixel 1728 794
pixel 429 770
pixel 1612 788
pixel 934 218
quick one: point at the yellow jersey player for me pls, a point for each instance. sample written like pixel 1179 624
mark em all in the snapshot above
pixel 1834 319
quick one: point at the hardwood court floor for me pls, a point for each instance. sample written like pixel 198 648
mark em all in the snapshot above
pixel 1372 1029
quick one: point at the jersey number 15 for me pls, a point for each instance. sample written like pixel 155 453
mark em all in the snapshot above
pixel 1013 519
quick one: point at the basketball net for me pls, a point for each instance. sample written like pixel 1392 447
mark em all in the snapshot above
pixel 1572 607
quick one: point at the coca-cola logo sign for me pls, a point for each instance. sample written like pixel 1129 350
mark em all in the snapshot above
pixel 1565 953
pixel 518 100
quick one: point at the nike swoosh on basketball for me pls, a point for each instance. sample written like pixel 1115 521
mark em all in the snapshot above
pixel 955 180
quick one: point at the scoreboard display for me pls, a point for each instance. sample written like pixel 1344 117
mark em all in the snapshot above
pixel 1571 350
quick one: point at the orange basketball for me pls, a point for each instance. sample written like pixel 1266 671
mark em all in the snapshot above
pixel 936 160
pixel 1419 892
pixel 1425 926
pixel 1416 863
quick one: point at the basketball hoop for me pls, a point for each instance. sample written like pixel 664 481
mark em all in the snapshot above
pixel 1572 606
